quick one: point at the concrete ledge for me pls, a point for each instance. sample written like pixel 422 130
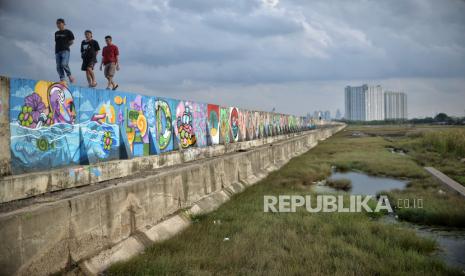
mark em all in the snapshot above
pixel 22 186
pixel 134 245
pixel 168 228
pixel 209 203
pixel 120 252
pixel 97 228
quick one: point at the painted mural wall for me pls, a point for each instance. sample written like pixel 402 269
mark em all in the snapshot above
pixel 213 124
pixel 54 125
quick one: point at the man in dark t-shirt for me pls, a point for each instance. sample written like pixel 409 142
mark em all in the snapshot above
pixel 89 51
pixel 63 39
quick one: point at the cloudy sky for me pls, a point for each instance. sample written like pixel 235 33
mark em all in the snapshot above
pixel 292 55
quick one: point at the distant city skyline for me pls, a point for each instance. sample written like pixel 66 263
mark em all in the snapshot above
pixel 293 55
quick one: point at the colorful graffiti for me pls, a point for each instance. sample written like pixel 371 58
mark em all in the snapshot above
pixel 185 125
pixel 164 133
pixel 199 111
pixel 213 124
pixel 243 117
pixel 234 124
pixel 136 127
pixel 224 125
pixel 256 120
pixel 54 125
pixel 99 127
pixel 250 125
pixel 42 126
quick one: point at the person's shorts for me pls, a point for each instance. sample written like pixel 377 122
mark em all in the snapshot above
pixel 88 63
pixel 110 69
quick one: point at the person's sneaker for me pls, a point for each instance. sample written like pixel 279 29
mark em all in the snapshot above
pixel 72 79
pixel 115 87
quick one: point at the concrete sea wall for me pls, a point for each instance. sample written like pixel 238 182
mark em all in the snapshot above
pixel 91 230
pixel 64 133
pixel 152 163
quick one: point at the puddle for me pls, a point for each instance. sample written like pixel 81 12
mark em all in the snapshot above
pixel 363 184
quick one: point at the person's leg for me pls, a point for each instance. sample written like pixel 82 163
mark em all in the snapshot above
pixel 89 79
pixel 113 83
pixel 60 70
pixel 92 76
pixel 64 64
pixel 112 74
pixel 110 82
pixel 106 71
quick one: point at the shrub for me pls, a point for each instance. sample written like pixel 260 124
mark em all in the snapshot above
pixel 445 142
pixel 340 184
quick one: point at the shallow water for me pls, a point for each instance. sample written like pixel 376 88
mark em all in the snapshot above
pixel 363 184
pixel 451 241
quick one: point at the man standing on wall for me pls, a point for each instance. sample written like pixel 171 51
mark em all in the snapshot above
pixel 89 51
pixel 63 39
pixel 110 55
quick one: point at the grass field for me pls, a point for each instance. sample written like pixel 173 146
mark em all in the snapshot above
pixel 319 243
pixel 420 143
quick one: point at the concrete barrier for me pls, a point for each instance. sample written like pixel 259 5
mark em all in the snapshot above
pixel 59 137
pixel 96 228
pixel 22 186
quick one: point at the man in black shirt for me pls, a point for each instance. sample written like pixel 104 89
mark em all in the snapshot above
pixel 63 39
pixel 89 51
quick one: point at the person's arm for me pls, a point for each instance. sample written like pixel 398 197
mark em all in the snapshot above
pixel 71 38
pixel 117 62
pixel 97 48
pixel 101 63
pixel 117 58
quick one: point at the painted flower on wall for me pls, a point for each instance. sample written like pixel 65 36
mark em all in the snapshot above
pixel 25 117
pixel 107 140
pixel 33 112
pixel 38 107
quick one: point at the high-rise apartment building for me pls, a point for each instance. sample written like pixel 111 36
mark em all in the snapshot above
pixel 364 103
pixel 395 105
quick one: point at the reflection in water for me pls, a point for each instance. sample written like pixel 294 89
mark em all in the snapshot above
pixel 363 184
pixel 451 241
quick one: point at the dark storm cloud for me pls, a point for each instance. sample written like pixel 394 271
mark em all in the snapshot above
pixel 252 52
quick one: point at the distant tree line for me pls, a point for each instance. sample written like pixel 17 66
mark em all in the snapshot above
pixel 439 119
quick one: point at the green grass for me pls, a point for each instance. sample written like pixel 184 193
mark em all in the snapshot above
pixel 446 142
pixel 438 209
pixel 302 243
